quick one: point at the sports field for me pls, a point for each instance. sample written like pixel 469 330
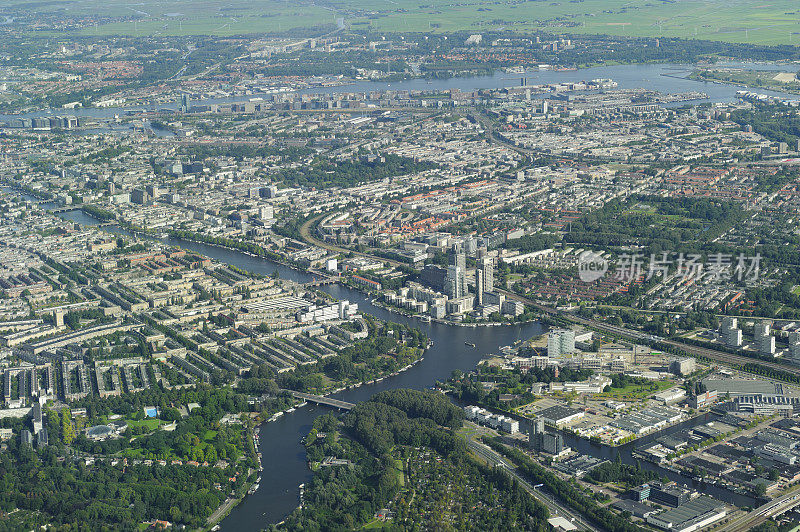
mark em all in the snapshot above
pixel 746 21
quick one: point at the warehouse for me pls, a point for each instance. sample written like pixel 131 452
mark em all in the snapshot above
pixel 693 515
pixel 560 415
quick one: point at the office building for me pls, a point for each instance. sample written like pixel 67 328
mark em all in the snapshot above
pixel 434 276
pixel 455 285
pixel 486 266
pixel 766 344
pixel 640 493
pixel 763 340
pixel 543 441
pixel 560 342
pixel 266 213
pixel 514 308
pixel 794 347
pixel 730 332
pixel 762 328
pixel 270 191
pixel 456 257
pixel 456 280
pixel 140 196
pixel 494 298
pixel 682 366
pixel 669 495
pixel 707 398
pixel 479 287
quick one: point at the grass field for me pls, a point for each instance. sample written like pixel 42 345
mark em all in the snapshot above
pixel 634 391
pixel 747 21
pixel 376 524
pixel 151 424
pixel 398 471
pixel 783 81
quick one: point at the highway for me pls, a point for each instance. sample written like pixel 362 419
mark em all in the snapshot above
pixel 555 507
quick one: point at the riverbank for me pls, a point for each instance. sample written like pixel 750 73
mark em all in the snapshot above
pixel 286 467
pixel 253 486
pixel 750 79
pixel 424 317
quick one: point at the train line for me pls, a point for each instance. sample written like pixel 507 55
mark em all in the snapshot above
pixel 713 354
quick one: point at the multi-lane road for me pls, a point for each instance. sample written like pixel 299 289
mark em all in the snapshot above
pixel 554 506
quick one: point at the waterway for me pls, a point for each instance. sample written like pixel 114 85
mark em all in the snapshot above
pixel 284 457
pixel 665 78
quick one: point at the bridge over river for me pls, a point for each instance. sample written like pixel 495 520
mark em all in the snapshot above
pixel 321 399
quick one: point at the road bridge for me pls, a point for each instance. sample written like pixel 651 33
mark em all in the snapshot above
pixel 321 399
pixel 321 282
pixel 65 208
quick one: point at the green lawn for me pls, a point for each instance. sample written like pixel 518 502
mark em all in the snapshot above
pixel 746 21
pixel 377 524
pixel 151 424
pixel 398 470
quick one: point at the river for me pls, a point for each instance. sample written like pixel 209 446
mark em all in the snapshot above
pixel 663 77
pixel 283 455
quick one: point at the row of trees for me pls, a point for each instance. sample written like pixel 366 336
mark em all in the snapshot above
pixel 323 172
pixel 676 225
pixel 102 496
pixel 389 438
pixel 569 492
pixel 617 472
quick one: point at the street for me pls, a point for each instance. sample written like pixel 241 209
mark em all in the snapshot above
pixel 555 508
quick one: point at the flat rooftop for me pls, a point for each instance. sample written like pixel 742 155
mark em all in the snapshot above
pixel 683 515
pixel 739 387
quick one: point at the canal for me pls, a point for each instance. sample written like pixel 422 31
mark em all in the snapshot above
pixel 283 455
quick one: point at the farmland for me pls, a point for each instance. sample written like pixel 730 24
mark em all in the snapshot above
pixel 740 21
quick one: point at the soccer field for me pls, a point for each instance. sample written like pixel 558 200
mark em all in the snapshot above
pixel 745 21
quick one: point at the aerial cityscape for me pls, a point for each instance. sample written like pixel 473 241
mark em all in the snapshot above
pixel 317 266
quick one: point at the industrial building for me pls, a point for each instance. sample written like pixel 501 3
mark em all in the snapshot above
pixel 559 416
pixel 691 516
